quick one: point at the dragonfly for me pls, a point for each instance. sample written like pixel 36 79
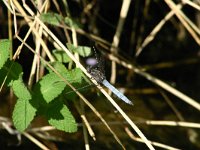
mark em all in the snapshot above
pixel 97 72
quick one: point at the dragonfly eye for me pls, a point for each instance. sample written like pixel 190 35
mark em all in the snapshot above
pixel 91 61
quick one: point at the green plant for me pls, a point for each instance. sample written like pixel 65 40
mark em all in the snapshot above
pixel 47 95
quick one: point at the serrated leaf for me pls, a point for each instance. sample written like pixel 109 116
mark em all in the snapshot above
pixel 83 51
pixel 11 71
pixel 4 51
pixel 48 88
pixel 61 56
pixel 60 117
pixel 23 112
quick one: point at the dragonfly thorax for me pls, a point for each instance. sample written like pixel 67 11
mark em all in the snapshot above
pixel 96 74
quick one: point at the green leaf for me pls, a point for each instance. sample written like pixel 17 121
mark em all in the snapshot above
pixel 72 23
pixel 76 78
pixel 48 88
pixel 51 85
pixel 74 75
pixel 60 117
pixel 23 112
pixel 4 51
pixel 11 71
pixel 83 51
pixel 58 66
pixel 61 56
pixel 51 18
pixel 56 19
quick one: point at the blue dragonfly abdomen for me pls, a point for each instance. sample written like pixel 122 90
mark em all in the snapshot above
pixel 116 92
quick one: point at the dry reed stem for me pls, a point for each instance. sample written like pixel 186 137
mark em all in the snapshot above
pixel 192 4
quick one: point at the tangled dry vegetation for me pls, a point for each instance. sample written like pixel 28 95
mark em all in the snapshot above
pixel 151 50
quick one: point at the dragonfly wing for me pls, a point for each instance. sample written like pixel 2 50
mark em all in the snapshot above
pixel 116 92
